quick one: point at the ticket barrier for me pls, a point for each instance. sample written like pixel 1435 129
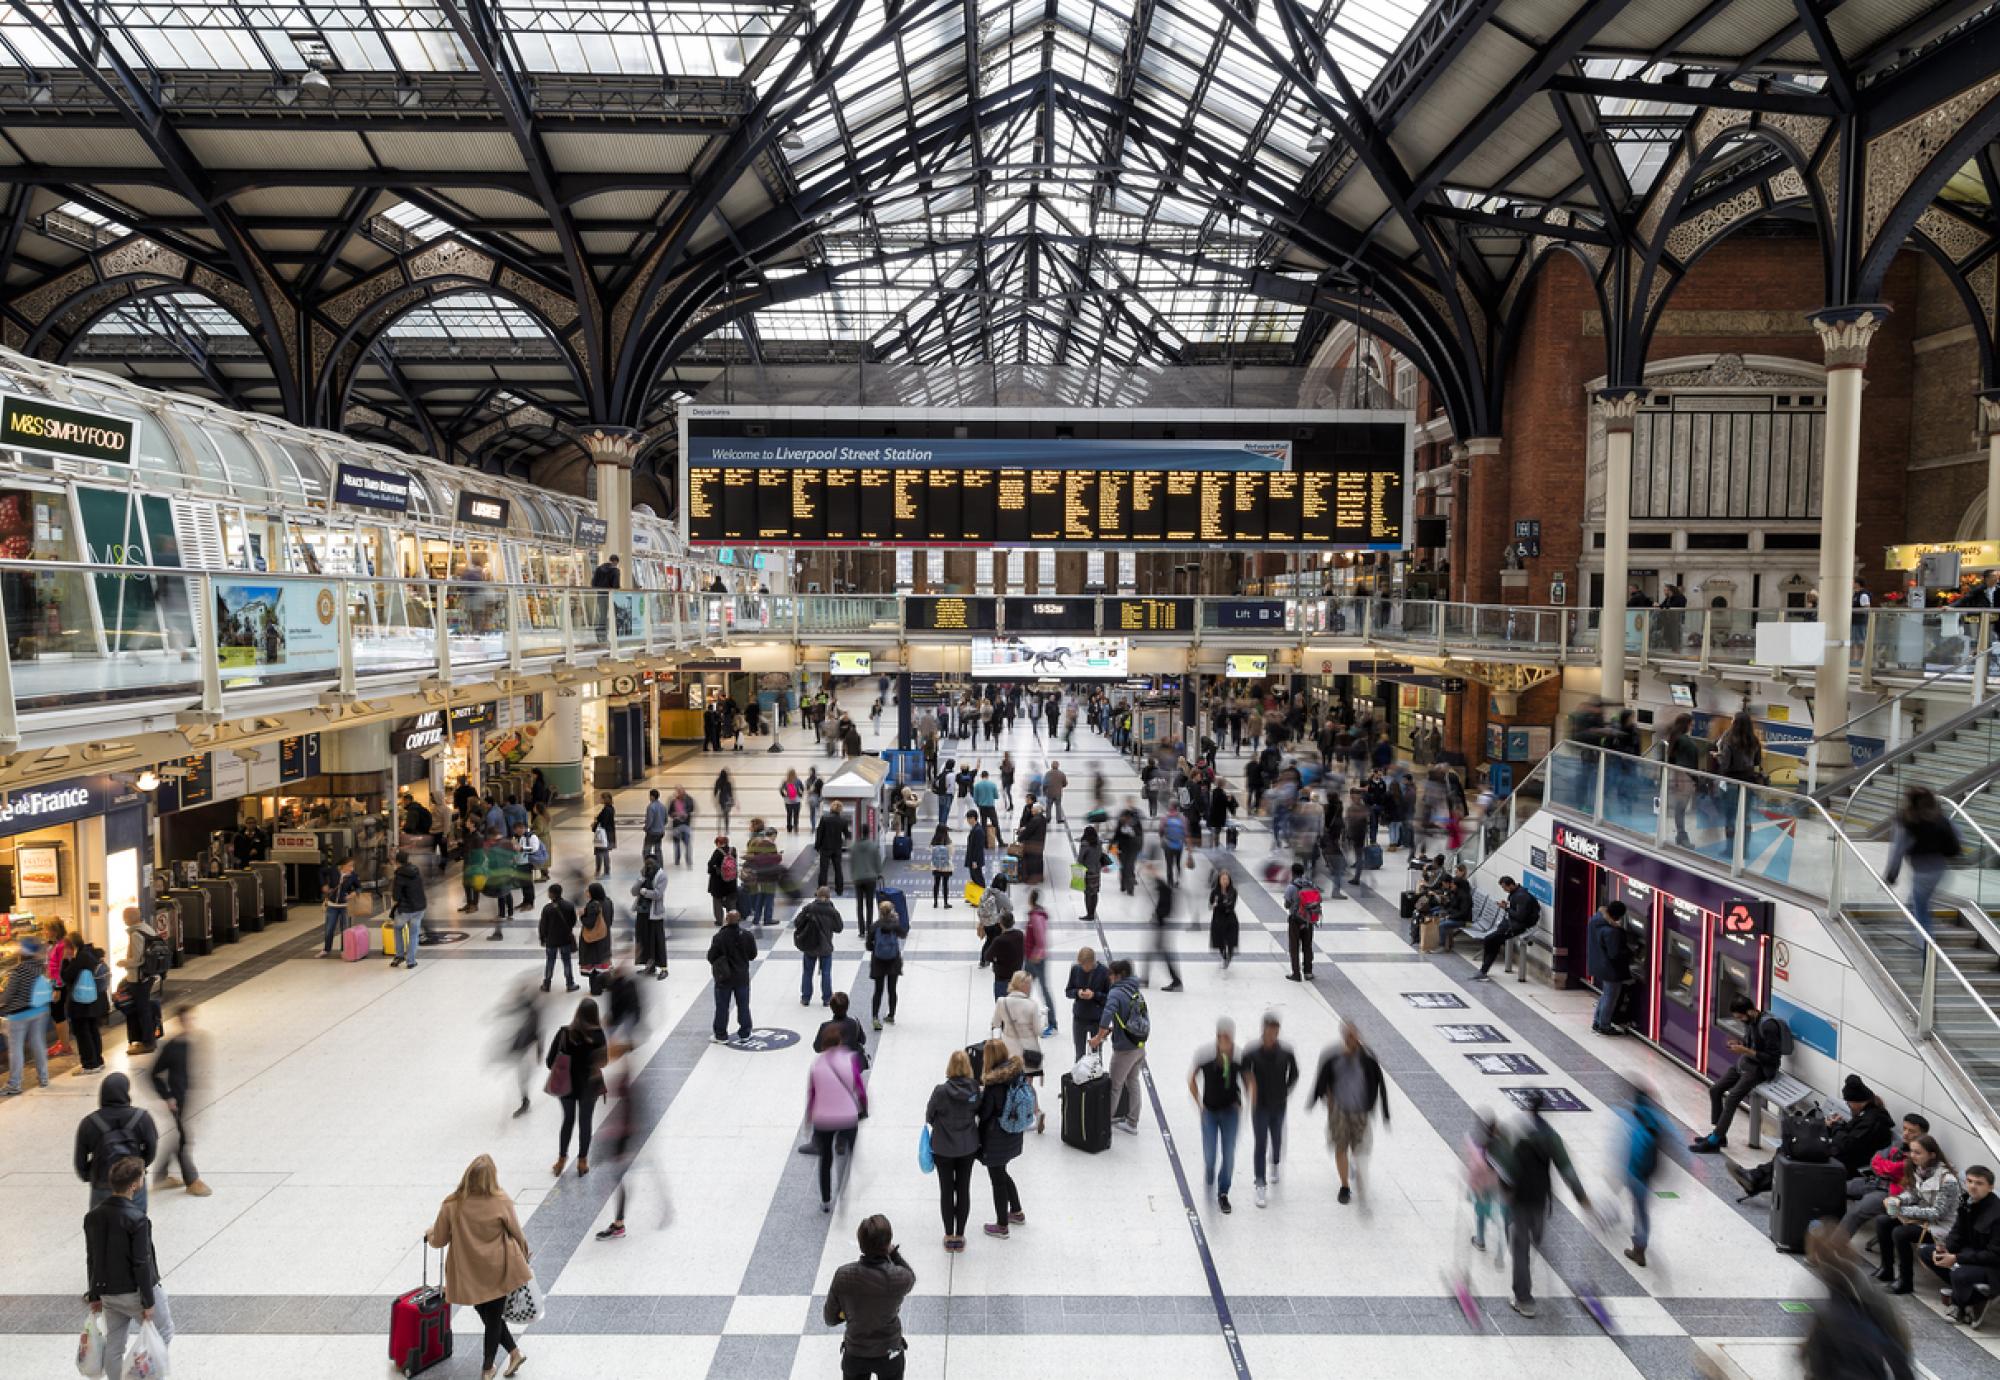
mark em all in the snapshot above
pixel 197 935
pixel 222 922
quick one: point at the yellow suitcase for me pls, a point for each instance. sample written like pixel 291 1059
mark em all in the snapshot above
pixel 390 934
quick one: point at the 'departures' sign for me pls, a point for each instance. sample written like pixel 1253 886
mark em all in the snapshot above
pixel 30 424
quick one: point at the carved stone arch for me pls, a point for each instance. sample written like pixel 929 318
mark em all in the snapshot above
pixel 1905 167
pixel 1514 302
pixel 337 354
pixel 1672 240
pixel 1782 193
pixel 1972 276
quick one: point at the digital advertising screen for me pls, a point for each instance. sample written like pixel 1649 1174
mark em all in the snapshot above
pixel 1345 487
pixel 849 663
pixel 1247 666
pixel 1030 657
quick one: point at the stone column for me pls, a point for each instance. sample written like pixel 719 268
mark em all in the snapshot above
pixel 1989 415
pixel 1619 407
pixel 1844 332
pixel 612 449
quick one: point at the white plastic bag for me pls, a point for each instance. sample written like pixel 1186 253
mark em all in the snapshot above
pixel 1090 1066
pixel 90 1347
pixel 524 1305
pixel 146 1357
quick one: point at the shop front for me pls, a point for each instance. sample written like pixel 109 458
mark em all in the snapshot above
pixel 74 852
pixel 1696 943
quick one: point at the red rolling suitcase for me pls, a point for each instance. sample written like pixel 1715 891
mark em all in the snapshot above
pixel 420 1324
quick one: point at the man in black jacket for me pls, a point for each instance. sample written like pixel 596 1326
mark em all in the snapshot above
pixel 408 904
pixel 867 1296
pixel 116 1129
pixel 830 842
pixel 1969 1260
pixel 118 1253
pixel 730 955
pixel 1523 913
pixel 557 933
pixel 1756 1062
pixel 173 1073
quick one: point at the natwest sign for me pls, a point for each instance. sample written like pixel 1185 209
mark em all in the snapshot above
pixel 1583 845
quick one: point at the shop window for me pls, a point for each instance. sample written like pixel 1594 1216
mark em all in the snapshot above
pixel 48 612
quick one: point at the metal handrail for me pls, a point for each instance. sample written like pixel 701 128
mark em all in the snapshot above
pixel 1934 953
pixel 1903 752
pixel 1900 695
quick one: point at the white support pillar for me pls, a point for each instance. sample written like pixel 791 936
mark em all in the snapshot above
pixel 1619 407
pixel 1845 333
pixel 1989 414
pixel 612 449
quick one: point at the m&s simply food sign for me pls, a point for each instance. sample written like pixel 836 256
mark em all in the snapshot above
pixel 29 424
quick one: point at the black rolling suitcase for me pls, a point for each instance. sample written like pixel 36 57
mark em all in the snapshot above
pixel 1086 1114
pixel 1231 836
pixel 1802 1194
pixel 1406 905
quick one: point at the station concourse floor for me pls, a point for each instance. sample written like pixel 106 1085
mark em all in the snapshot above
pixel 339 1103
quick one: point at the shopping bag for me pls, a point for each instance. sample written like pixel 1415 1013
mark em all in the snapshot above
pixel 1089 1067
pixel 974 893
pixel 1079 877
pixel 926 1161
pixel 90 1347
pixel 146 1357
pixel 524 1305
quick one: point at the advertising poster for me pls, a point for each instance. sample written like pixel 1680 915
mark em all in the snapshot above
pixel 849 663
pixel 38 871
pixel 266 627
pixel 1025 658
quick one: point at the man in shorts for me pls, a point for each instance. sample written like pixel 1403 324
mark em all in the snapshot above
pixel 1350 1082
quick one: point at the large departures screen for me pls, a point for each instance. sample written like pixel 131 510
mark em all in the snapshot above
pixel 1341 486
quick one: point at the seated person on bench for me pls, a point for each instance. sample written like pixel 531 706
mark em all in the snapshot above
pixel 1855 1139
pixel 1519 919
pixel 1870 1192
pixel 1756 1062
pixel 1969 1260
pixel 1454 906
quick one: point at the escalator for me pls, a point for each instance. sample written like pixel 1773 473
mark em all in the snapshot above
pixel 1954 758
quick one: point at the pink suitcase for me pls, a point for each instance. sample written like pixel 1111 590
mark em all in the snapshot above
pixel 354 944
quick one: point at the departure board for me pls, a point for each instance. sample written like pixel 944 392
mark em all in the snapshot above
pixel 948 614
pixel 1148 616
pixel 1344 489
pixel 1039 613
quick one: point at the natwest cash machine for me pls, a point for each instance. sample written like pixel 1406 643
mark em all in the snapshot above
pixel 1696 943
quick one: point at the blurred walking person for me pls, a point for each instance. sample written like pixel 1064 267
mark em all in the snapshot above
pixel 1351 1084
pixel 173 1076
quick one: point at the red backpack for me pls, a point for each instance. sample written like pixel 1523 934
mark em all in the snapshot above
pixel 1309 905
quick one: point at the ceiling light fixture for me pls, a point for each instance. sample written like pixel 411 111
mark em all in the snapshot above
pixel 315 81
pixel 791 141
pixel 1320 142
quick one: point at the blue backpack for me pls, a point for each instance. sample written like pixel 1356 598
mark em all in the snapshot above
pixel 1018 1114
pixel 888 943
pixel 84 990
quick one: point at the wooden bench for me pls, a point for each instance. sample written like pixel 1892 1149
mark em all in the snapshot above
pixel 1783 1092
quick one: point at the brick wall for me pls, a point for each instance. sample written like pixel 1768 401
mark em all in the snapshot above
pixel 1943 415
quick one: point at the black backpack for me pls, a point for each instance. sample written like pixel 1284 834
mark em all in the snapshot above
pixel 117 1140
pixel 157 959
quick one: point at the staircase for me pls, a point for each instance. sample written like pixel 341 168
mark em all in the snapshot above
pixel 1961 1026
pixel 1944 988
pixel 1952 759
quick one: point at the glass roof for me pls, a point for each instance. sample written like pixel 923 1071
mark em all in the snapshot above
pixel 199 317
pixel 467 316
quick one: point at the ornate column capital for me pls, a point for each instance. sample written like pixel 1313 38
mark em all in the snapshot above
pixel 1476 447
pixel 611 445
pixel 1989 411
pixel 1619 407
pixel 1844 332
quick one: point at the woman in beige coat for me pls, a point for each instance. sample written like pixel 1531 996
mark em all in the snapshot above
pixel 488 1256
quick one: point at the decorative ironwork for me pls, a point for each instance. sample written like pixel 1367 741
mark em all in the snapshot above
pixel 37 303
pixel 1897 158
pixel 1958 239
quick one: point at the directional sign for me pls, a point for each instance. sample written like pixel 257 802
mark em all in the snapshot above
pixel 1553 1099
pixel 1435 1001
pixel 1472 1034
pixel 1504 1062
pixel 764 1039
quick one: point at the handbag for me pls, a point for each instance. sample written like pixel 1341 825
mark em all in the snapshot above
pixel 361 906
pixel 524 1305
pixel 926 1161
pixel 559 1083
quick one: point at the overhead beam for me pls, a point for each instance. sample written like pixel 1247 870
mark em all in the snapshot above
pixel 1695 97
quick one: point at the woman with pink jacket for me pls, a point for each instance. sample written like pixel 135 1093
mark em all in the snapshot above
pixel 836 1101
